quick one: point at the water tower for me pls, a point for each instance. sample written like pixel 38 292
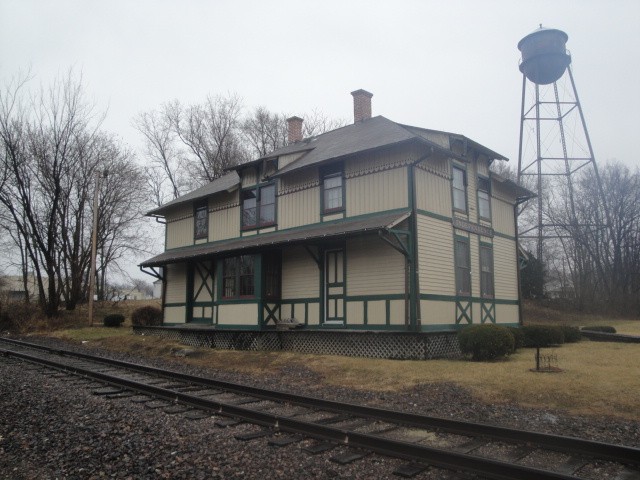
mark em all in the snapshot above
pixel 554 142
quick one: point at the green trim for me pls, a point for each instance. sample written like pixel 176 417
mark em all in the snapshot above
pixel 201 321
pixel 467 240
pixel 465 180
pixel 369 298
pixel 478 217
pixel 444 218
pixel 453 298
pixel 322 176
pixel 202 304
pixel 337 326
pixel 241 301
pixel 504 235
pixel 437 216
pixel 441 327
pixel 231 326
pixel 176 304
pixel 173 324
pixel 464 311
pixel 302 227
pixel 487 312
pixel 190 282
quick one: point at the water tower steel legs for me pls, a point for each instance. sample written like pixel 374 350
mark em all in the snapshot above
pixel 540 163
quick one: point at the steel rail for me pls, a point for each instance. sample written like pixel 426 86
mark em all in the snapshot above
pixel 433 456
pixel 573 445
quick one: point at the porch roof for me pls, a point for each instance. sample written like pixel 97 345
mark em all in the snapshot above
pixel 291 236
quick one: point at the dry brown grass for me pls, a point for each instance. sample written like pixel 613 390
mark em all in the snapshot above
pixel 597 378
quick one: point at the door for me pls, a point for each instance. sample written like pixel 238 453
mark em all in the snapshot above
pixel 334 286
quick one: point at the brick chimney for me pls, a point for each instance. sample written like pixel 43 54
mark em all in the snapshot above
pixel 361 105
pixel 294 127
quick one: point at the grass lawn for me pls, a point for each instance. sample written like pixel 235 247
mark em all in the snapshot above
pixel 598 378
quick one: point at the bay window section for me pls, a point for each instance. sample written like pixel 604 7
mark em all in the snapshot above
pixel 259 207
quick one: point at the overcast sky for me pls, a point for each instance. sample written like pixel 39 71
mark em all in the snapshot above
pixel 444 65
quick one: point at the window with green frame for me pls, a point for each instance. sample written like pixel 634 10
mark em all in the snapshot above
pixel 484 198
pixel 259 206
pixel 332 189
pixel 486 271
pixel 462 266
pixel 201 220
pixel 459 186
pixel 238 277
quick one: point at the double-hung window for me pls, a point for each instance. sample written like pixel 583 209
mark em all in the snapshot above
pixel 200 221
pixel 459 186
pixel 463 266
pixel 484 198
pixel 486 271
pixel 259 206
pixel 238 277
pixel 332 189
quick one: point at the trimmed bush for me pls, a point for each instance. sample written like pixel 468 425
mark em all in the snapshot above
pixel 600 328
pixel 146 316
pixel 113 320
pixel 540 336
pixel 486 342
pixel 571 334
pixel 518 336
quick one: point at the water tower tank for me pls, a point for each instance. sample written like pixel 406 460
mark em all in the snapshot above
pixel 544 55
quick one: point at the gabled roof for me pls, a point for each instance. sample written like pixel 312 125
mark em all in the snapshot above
pixel 339 228
pixel 360 137
pixel 227 182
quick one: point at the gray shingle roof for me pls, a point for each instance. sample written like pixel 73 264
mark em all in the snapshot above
pixel 285 237
pixel 225 182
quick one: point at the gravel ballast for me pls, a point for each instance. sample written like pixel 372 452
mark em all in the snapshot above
pixel 51 428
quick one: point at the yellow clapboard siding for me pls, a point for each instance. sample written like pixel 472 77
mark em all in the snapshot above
pixel 502 217
pixel 376 192
pixel 300 274
pixel 505 268
pixel 299 208
pixel 176 283
pixel 238 314
pixel 507 313
pixel 435 256
pixel 433 192
pixel 374 268
pixel 175 314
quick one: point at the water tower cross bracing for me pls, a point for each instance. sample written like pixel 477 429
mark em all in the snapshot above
pixel 554 141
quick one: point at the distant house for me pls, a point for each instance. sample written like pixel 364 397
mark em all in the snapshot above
pixel 12 287
pixel 373 226
pixel 157 289
pixel 121 294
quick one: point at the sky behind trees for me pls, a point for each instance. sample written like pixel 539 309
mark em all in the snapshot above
pixel 446 65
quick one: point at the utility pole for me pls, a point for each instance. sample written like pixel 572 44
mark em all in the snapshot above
pixel 94 243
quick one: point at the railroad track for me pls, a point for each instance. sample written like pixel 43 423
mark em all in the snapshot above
pixel 421 440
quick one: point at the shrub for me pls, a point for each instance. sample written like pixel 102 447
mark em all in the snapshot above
pixel 600 328
pixel 21 317
pixel 542 336
pixel 113 320
pixel 571 334
pixel 518 336
pixel 486 342
pixel 146 316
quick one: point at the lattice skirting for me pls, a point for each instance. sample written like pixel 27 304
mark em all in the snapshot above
pixel 396 345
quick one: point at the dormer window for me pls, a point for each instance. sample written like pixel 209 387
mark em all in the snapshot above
pixel 332 189
pixel 201 221
pixel 259 206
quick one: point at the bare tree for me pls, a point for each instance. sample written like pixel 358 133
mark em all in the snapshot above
pixel 603 254
pixel 51 147
pixel 264 131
